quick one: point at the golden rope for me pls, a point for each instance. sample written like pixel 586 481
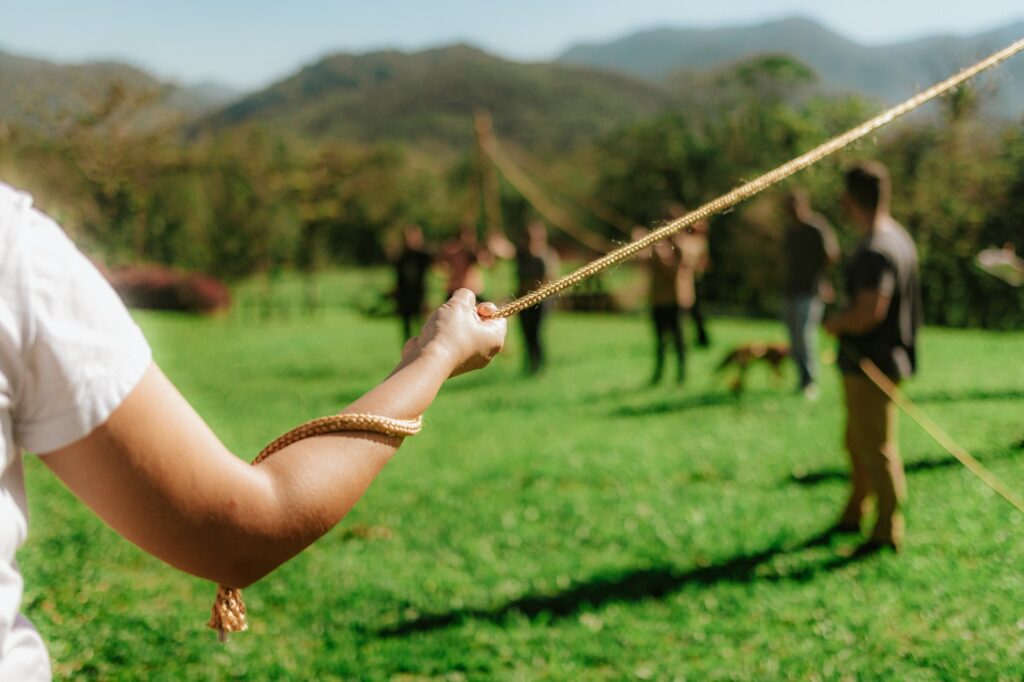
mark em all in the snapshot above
pixel 890 389
pixel 754 187
pixel 228 613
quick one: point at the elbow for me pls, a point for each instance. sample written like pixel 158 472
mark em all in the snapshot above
pixel 239 570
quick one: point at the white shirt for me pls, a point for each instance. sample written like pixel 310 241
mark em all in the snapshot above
pixel 69 355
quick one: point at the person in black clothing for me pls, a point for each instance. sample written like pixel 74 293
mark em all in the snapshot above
pixel 809 247
pixel 411 268
pixel 879 324
pixel 536 264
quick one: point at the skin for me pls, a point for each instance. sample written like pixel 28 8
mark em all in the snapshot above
pixel 869 306
pixel 157 474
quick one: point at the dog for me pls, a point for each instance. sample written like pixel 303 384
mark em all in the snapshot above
pixel 775 354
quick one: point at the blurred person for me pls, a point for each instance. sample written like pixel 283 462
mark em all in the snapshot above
pixel 695 262
pixel 809 247
pixel 411 268
pixel 78 386
pixel 536 264
pixel 880 323
pixel 463 258
pixel 664 262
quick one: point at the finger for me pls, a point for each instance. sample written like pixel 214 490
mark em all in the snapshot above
pixel 486 310
pixel 464 297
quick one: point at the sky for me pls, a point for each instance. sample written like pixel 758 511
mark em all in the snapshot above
pixel 247 45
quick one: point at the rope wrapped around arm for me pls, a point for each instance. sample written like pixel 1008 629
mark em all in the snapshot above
pixel 228 613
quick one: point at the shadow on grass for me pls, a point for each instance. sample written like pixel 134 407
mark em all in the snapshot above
pixel 842 474
pixel 693 401
pixel 980 394
pixel 634 586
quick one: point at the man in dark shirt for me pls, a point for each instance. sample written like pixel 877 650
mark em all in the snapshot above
pixel 536 264
pixel 809 247
pixel 411 268
pixel 880 325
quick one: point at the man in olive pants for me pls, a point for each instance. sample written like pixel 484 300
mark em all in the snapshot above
pixel 879 325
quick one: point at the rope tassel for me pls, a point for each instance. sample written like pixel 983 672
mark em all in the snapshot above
pixel 228 613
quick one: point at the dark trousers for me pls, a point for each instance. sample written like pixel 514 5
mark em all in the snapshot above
pixel 698 317
pixel 410 311
pixel 667 326
pixel 409 322
pixel 531 320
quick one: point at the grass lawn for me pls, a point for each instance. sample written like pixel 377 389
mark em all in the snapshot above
pixel 576 526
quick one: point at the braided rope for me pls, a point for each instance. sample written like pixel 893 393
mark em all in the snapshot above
pixel 892 391
pixel 228 613
pixel 754 187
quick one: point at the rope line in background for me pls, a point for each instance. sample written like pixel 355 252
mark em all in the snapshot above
pixel 754 187
pixel 894 394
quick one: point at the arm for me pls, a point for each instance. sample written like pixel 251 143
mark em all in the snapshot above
pixel 868 309
pixel 156 473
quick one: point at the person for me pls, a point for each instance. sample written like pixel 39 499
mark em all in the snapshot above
pixel 809 247
pixel 536 264
pixel 664 262
pixel 411 268
pixel 78 386
pixel 880 324
pixel 463 260
pixel 695 262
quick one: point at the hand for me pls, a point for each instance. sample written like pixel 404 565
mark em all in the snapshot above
pixel 826 292
pixel 461 334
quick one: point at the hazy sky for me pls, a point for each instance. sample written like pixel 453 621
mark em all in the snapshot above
pixel 249 44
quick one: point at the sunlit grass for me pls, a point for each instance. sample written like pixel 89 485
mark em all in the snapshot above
pixel 576 526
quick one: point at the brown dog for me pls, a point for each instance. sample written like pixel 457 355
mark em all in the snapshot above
pixel 743 356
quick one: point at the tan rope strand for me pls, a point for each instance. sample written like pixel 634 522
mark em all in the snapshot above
pixel 582 203
pixel 551 211
pixel 754 187
pixel 890 389
pixel 228 613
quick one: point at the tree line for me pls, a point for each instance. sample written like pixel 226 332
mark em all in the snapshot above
pixel 248 200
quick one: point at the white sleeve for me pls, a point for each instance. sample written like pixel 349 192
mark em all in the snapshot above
pixel 82 355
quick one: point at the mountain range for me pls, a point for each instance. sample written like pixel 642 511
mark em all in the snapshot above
pixel 890 73
pixel 429 96
pixel 43 95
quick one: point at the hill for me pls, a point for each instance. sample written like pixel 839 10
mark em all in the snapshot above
pixel 430 96
pixel 44 95
pixel 888 72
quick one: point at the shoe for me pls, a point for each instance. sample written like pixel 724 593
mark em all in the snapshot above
pixel 876 547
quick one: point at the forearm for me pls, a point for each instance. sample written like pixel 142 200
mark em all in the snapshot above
pixel 867 311
pixel 314 483
pixel 170 486
pixel 852 322
pixel 159 476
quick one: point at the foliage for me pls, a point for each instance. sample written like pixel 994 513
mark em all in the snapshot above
pixel 956 184
pixel 576 527
pixel 252 199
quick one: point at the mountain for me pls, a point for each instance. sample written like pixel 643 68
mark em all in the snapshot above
pixel 431 96
pixel 888 72
pixel 44 95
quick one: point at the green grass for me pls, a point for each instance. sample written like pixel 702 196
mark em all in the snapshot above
pixel 579 526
